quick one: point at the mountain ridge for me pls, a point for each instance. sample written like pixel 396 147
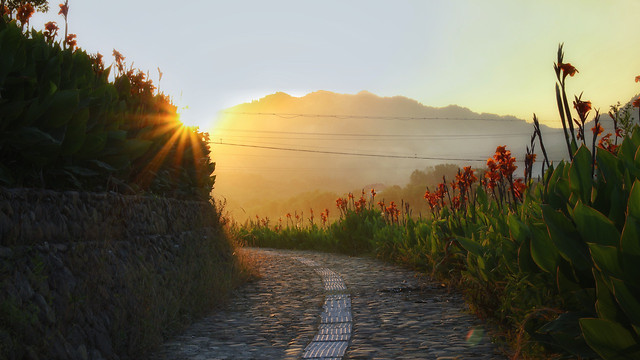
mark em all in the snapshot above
pixel 286 145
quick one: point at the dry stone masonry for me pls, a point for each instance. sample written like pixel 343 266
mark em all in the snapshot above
pixel 76 271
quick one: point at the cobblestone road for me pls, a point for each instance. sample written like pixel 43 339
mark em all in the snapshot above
pixel 394 314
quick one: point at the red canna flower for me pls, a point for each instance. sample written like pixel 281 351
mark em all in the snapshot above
pixel 71 41
pixel 597 130
pixel 518 188
pixel 5 11
pixel 636 103
pixel 25 11
pixel 64 9
pixel 619 133
pixel 455 202
pixel 638 78
pixel 583 107
pixel 50 30
pixel 567 69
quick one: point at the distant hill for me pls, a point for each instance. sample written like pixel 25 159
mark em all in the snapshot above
pixel 393 135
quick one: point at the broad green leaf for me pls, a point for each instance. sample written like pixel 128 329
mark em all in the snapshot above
pixel 471 246
pixel 609 339
pixel 630 239
pixel 580 180
pixel 118 162
pixel 627 154
pixel 566 238
pixel 525 262
pixel 606 259
pixel 628 300
pixel 518 230
pixel 136 148
pixel 102 165
pixel 76 133
pixel 543 251
pixel 94 143
pixel 633 207
pixel 566 332
pixel 594 227
pixel 606 304
pixel 609 166
pixel 576 287
pixel 117 134
pixel 63 104
pixel 81 171
pixel 618 205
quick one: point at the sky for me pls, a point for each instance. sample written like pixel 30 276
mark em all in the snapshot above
pixel 493 56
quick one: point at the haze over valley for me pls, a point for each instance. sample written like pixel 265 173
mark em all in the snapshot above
pixel 326 144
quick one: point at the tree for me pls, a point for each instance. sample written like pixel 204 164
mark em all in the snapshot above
pixel 13 5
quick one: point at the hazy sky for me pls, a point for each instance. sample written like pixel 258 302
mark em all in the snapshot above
pixel 488 55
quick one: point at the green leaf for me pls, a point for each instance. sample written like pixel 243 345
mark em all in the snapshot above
pixel 471 246
pixel 606 304
pixel 628 300
pixel 633 207
pixel 543 251
pixel 518 230
pixel 594 227
pixel 566 238
pixel 62 105
pixel 136 148
pixel 94 143
pixel 117 134
pixel 81 171
pixel 566 332
pixel 609 166
pixel 609 339
pixel 525 262
pixel 580 180
pixel 76 133
pixel 606 259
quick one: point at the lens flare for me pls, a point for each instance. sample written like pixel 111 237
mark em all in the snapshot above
pixel 475 335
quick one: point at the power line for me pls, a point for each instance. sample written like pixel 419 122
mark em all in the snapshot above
pixel 412 157
pixel 416 157
pixel 371 117
pixel 370 137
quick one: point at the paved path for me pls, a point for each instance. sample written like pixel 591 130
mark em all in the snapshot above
pixel 309 305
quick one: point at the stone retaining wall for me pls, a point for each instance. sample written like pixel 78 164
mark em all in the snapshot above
pixel 104 276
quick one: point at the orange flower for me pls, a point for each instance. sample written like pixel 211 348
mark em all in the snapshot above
pixel 638 78
pixel 636 103
pixel 567 69
pixel 64 9
pixel 597 130
pixel 518 188
pixel 619 133
pixel 71 41
pixel 25 12
pixel 583 107
pixel 51 30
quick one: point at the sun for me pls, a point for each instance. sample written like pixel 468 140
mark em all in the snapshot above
pixel 186 117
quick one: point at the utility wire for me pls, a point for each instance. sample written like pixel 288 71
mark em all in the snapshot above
pixel 413 157
pixel 371 117
pixel 346 153
pixel 375 136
